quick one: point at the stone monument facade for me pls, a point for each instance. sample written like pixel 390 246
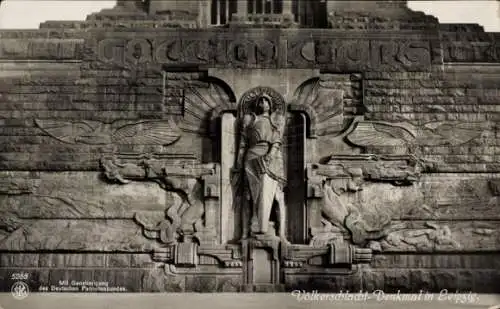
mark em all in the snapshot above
pixel 218 146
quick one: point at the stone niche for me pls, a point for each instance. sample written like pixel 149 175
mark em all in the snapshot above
pixel 157 158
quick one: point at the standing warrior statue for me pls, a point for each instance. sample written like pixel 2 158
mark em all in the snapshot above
pixel 261 160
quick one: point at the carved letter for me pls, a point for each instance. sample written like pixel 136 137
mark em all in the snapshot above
pixel 168 52
pixel 414 54
pixel 241 53
pixel 324 52
pixel 111 50
pixel 265 52
pixel 353 55
pixel 139 51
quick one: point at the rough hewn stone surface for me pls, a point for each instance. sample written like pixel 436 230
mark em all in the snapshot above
pixel 119 136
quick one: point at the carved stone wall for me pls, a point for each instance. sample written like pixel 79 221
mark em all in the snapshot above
pixel 112 156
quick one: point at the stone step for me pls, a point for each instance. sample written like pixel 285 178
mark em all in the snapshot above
pixel 267 288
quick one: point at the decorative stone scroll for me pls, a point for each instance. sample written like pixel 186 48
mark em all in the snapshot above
pixel 192 254
pixel 336 254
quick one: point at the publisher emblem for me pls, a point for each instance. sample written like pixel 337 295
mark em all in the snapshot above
pixel 20 290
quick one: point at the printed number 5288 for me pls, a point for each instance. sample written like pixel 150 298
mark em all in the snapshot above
pixel 19 276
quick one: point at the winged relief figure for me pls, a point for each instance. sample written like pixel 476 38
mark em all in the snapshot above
pixel 122 132
pixel 380 134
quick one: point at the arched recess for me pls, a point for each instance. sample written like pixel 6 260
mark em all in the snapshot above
pixel 210 109
pixel 319 102
pixel 316 110
pixel 310 117
pixel 204 102
pixel 301 137
pixel 323 105
pixel 301 132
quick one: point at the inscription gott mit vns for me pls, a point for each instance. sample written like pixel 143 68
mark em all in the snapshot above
pixel 239 53
pixel 331 54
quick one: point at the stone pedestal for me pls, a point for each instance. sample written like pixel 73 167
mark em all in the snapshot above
pixel 262 265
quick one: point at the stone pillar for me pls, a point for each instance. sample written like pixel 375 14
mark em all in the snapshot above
pixel 365 6
pixel 228 158
pixel 287 13
pixel 241 16
pixel 393 4
pixel 162 6
pixel 129 4
pixel 204 13
pixel 351 5
pixel 242 7
pixel 287 7
pixel 315 197
pixel 498 9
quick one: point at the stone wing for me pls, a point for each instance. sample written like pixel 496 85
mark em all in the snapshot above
pixel 452 133
pixel 373 134
pixel 67 131
pixel 202 105
pixel 147 133
pixel 325 105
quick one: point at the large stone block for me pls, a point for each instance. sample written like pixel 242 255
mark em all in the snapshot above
pixel 120 280
pixel 117 260
pixel 141 260
pixel 486 281
pixel 397 280
pixel 85 195
pixel 201 284
pixel 155 280
pixel 421 281
pixel 372 280
pixel 445 279
pixel 41 49
pixel 59 277
pixel 28 260
pixel 440 261
pixel 324 284
pixel 80 235
pixel 228 284
pixel 465 279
